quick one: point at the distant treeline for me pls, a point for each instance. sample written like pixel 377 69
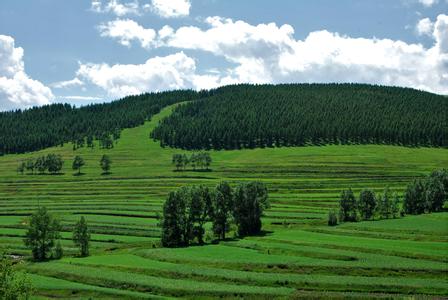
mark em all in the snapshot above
pixel 52 125
pixel 249 116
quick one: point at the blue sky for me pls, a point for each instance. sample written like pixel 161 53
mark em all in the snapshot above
pixel 82 51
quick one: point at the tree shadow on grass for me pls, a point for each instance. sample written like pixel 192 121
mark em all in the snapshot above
pixel 79 174
pixel 106 173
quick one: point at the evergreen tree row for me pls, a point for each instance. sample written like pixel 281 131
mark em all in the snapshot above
pixel 187 210
pixel 52 125
pixel 249 116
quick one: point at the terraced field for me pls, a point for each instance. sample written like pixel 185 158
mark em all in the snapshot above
pixel 297 257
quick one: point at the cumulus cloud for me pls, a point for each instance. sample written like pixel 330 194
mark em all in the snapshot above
pixel 267 53
pixel 425 27
pixel 171 8
pixel 126 31
pixel 116 7
pixel 17 90
pixel 176 71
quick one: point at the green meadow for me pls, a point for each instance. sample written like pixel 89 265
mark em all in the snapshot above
pixel 298 256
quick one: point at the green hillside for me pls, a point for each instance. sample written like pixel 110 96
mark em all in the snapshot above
pixel 298 257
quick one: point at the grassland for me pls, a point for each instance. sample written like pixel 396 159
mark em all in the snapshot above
pixel 298 256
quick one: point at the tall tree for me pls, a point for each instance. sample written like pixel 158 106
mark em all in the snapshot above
pixel 174 220
pixel 415 198
pixel 105 164
pixel 78 163
pixel 367 204
pixel 81 237
pixel 250 200
pixel 222 204
pixel 348 206
pixel 43 231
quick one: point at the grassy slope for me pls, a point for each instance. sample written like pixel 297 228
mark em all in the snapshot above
pixel 300 255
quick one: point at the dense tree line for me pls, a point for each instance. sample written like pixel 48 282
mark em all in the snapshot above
pixel 421 196
pixel 249 116
pixel 186 211
pixel 201 161
pixel 51 125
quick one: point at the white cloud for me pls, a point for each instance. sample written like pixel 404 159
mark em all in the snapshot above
pixel 125 31
pixel 116 7
pixel 170 8
pixel 17 90
pixel 82 98
pixel 175 71
pixel 428 3
pixel 67 84
pixel 425 27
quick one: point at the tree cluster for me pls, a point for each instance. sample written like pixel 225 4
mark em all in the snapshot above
pixel 52 163
pixel 249 116
pixel 201 161
pixel 14 285
pixel 421 196
pixel 186 211
pixel 52 125
pixel 43 236
pixel 428 194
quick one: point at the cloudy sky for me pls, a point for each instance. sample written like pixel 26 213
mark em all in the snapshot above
pixel 83 51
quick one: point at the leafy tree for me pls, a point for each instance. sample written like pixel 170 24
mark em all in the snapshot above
pixel 78 163
pixel 105 164
pixel 348 206
pixel 13 285
pixel 367 204
pixel 385 205
pixel 222 204
pixel 81 237
pixel 41 164
pixel 54 163
pixel 21 168
pixel 30 165
pixel 415 198
pixel 199 208
pixel 436 190
pixel 332 218
pixel 42 232
pixel 90 143
pixel 249 202
pixel 174 220
pixel 396 206
pixel 178 161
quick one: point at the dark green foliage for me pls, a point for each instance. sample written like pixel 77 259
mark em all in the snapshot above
pixel 222 204
pixel 428 194
pixel 78 163
pixel 250 200
pixel 54 163
pixel 396 206
pixel 198 208
pixel 56 124
pixel 201 160
pixel 348 207
pixel 174 220
pixel 13 285
pixel 385 205
pixel 332 218
pixel 42 232
pixel 248 116
pixel 21 167
pixel 81 237
pixel 105 163
pixel 367 204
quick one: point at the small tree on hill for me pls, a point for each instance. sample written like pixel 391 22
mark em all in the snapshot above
pixel 81 237
pixel 415 198
pixel 367 204
pixel 21 167
pixel 78 163
pixel 29 165
pixel 332 218
pixel 385 205
pixel 105 163
pixel 54 163
pixel 174 220
pixel 348 206
pixel 42 232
